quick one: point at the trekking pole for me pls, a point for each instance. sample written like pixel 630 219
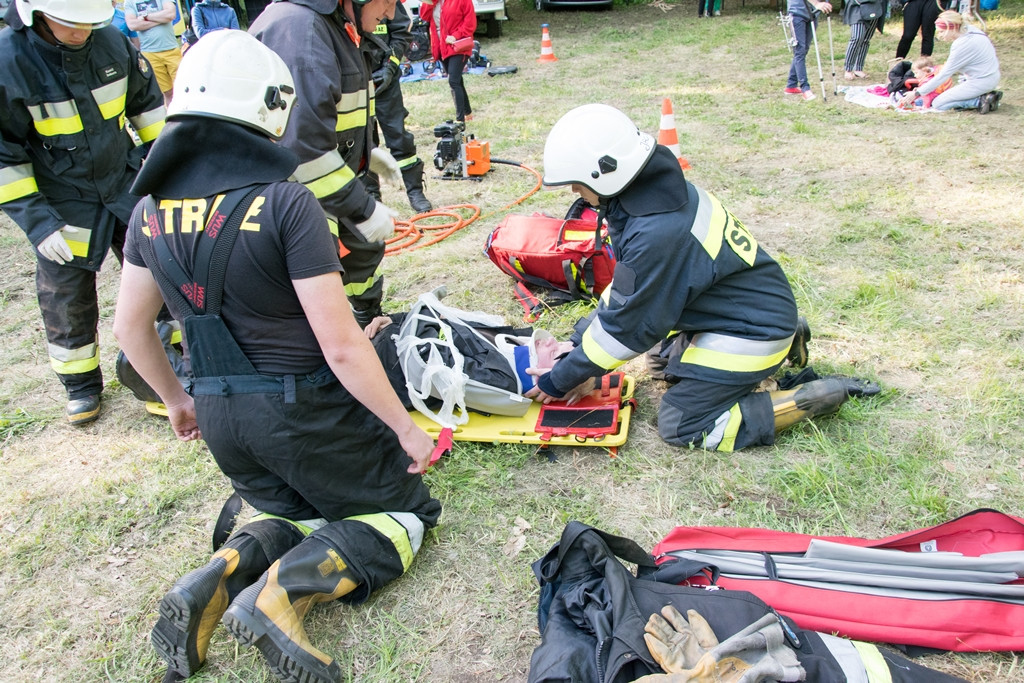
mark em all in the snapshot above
pixel 817 55
pixel 832 55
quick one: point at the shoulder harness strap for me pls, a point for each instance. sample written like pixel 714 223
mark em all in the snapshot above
pixel 189 293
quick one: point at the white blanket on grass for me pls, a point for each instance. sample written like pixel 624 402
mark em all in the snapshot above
pixel 858 94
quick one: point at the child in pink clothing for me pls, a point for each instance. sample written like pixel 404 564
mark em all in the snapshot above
pixel 925 69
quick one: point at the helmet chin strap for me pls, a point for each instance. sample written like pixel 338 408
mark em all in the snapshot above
pixel 342 19
pixel 357 11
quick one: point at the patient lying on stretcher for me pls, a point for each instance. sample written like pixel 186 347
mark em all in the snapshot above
pixel 508 358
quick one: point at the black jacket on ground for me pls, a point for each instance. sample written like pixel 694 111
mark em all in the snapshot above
pixel 593 610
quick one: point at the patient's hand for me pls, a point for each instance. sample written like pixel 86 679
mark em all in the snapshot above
pixel 376 325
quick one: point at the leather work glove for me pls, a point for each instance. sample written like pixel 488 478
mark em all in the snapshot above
pixel 690 652
pixel 394 72
pixel 55 248
pixel 385 166
pixel 380 225
pixel 386 75
pixel 379 78
pixel 675 643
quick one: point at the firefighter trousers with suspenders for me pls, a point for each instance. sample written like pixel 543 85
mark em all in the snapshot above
pixel 380 543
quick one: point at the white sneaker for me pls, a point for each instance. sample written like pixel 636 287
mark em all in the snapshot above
pixel 808 95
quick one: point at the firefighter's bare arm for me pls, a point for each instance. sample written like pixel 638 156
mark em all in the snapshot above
pixel 138 303
pixel 355 363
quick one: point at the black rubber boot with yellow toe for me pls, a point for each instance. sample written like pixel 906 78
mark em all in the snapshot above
pixel 813 399
pixel 191 610
pixel 83 410
pixel 269 614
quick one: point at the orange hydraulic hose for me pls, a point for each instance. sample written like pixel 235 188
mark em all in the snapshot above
pixel 410 234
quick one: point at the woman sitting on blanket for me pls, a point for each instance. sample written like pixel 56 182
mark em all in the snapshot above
pixel 971 55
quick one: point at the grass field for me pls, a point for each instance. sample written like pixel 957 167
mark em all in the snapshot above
pixel 902 237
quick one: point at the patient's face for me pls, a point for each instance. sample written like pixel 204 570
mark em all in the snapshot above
pixel 548 351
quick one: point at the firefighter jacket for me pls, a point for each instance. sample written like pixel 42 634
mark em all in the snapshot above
pixel 330 128
pixel 65 152
pixel 684 265
pixel 396 34
pixel 592 611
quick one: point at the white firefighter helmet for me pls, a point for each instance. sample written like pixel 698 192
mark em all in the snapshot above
pixel 596 146
pixel 80 14
pixel 230 75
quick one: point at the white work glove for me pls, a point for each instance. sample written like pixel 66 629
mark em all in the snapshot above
pixel 55 248
pixel 385 166
pixel 380 225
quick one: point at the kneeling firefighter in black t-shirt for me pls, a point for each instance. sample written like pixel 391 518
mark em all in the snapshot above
pixel 287 391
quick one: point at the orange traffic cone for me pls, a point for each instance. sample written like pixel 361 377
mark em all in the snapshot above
pixel 546 53
pixel 667 134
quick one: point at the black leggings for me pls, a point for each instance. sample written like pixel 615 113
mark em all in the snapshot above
pixel 453 65
pixel 918 15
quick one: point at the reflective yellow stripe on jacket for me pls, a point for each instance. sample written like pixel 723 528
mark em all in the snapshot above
pixel 352 111
pixel 713 224
pixel 17 182
pixel 56 118
pixel 709 223
pixel 723 352
pixel 110 98
pixel 602 349
pixel 62 118
pixel 148 124
pixel 324 175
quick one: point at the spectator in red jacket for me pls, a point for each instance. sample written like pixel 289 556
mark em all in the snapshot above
pixel 450 21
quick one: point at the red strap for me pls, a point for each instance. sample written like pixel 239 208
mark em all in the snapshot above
pixel 528 301
pixel 353 33
pixel 443 447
